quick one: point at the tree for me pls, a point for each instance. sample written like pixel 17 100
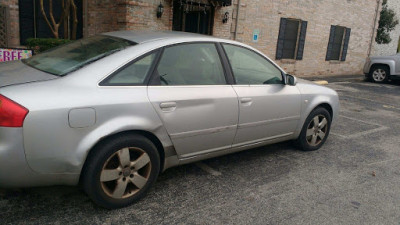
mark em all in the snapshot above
pixel 387 23
pixel 68 7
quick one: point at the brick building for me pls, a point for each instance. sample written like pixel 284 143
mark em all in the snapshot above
pixel 306 37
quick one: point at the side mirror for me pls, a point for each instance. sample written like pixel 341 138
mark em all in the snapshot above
pixel 291 80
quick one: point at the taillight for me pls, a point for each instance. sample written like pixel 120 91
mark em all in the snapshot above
pixel 11 113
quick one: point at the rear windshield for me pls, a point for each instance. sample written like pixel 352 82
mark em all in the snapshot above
pixel 72 56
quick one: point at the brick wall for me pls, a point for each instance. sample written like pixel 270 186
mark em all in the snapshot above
pixel 14 22
pixel 111 15
pixel 104 16
pixel 263 15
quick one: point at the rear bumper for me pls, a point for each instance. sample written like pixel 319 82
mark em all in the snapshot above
pixel 14 170
pixel 367 67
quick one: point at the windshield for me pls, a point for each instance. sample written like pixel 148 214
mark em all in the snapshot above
pixel 72 56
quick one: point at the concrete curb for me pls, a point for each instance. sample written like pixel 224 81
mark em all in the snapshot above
pixel 321 82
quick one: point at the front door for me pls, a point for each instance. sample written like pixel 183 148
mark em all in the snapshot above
pixel 191 96
pixel 269 109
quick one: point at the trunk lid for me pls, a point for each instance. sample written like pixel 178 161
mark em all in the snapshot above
pixel 16 72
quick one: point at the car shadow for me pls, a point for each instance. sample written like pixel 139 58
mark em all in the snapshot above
pixel 45 202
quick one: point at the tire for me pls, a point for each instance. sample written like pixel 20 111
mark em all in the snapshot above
pixel 379 74
pixel 120 171
pixel 312 136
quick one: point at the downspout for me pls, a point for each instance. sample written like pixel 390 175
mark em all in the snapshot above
pixel 237 19
pixel 85 22
pixel 373 30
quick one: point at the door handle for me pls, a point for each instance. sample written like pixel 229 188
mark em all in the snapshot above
pixel 168 106
pixel 246 100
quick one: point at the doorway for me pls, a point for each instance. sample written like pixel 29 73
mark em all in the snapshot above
pixel 192 16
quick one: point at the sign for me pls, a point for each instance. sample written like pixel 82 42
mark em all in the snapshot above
pixel 14 54
pixel 256 35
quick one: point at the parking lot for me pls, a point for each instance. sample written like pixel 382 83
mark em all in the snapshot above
pixel 353 179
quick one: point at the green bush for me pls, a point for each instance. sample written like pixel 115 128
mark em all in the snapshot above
pixel 43 44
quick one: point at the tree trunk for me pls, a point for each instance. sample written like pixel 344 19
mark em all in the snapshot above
pixel 74 20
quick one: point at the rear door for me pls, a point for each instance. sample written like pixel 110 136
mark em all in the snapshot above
pixel 190 93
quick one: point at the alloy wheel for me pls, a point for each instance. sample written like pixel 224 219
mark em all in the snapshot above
pixel 125 172
pixel 379 75
pixel 316 130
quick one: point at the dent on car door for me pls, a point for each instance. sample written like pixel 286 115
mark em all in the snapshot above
pixel 191 96
pixel 269 109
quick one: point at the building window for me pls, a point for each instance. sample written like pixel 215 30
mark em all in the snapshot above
pixel 291 39
pixel 32 23
pixel 338 43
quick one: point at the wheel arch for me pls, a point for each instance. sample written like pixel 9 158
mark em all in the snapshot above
pixel 152 137
pixel 326 102
pixel 388 65
pixel 326 106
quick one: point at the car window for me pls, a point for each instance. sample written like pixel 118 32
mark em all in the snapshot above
pixel 67 58
pixel 191 64
pixel 251 68
pixel 134 73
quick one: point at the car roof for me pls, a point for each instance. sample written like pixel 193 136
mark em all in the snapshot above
pixel 149 36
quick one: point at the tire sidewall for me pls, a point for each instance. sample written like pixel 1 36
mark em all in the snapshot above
pixel 302 140
pixel 376 68
pixel 99 155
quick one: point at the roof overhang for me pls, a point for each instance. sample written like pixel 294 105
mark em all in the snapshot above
pixel 222 2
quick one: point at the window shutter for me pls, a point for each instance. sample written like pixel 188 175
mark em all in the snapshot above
pixel 330 44
pixel 346 44
pixel 281 37
pixel 302 40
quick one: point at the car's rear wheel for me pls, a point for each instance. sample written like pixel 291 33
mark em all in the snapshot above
pixel 315 130
pixel 120 171
pixel 379 74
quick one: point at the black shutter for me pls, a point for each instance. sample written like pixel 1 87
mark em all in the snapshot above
pixel 302 40
pixel 346 44
pixel 281 39
pixel 330 44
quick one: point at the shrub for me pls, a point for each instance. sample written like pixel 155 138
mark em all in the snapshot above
pixel 387 23
pixel 43 44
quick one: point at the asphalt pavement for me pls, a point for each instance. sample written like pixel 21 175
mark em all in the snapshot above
pixel 353 179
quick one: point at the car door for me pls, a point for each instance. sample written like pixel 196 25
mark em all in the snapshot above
pixel 190 93
pixel 269 109
pixel 397 68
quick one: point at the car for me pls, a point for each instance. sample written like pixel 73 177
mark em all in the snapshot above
pixel 113 111
pixel 381 69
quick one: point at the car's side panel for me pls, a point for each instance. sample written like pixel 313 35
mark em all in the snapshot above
pixel 311 97
pixel 389 62
pixel 397 65
pixel 53 146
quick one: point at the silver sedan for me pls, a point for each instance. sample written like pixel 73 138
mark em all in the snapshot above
pixel 112 111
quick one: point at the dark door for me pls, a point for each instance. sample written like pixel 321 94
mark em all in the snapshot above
pixel 196 18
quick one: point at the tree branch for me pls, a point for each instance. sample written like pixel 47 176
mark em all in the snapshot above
pixel 45 17
pixel 75 20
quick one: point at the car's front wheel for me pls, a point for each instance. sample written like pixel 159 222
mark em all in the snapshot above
pixel 315 130
pixel 118 172
pixel 379 74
